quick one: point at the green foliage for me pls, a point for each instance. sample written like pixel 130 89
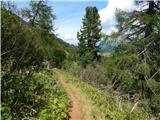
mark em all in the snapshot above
pixel 110 107
pixel 89 37
pixel 27 45
pixel 124 71
pixel 59 57
pixel 40 15
pixel 133 66
pixel 93 73
pixel 28 91
pixel 5 112
pixel 154 104
pixel 33 96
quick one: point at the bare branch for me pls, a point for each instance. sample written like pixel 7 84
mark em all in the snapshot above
pixel 9 51
pixel 146 48
pixel 134 107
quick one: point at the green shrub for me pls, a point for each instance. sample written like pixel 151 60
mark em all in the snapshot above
pixel 110 106
pixel 155 104
pixel 31 96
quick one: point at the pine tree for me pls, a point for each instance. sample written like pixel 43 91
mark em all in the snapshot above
pixel 141 28
pixel 140 23
pixel 40 15
pixel 89 36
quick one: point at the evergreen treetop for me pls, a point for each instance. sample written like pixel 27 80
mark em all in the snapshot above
pixel 89 36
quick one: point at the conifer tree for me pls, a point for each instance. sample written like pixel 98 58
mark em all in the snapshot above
pixel 141 28
pixel 89 36
pixel 40 15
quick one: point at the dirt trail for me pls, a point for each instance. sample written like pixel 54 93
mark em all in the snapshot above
pixel 80 105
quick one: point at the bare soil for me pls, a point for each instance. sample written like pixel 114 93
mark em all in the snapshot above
pixel 80 105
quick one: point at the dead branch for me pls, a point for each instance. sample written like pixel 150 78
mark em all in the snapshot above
pixel 134 107
pixel 146 48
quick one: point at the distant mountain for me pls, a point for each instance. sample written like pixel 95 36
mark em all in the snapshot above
pixel 106 48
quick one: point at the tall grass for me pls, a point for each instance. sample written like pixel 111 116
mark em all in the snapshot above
pixel 106 105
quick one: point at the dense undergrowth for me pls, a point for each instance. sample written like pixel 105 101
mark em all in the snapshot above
pixel 106 76
pixel 29 87
pixel 131 69
pixel 110 106
pixel 34 96
pixel 132 66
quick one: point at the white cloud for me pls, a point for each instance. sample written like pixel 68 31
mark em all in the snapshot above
pixel 68 29
pixel 69 37
pixel 107 14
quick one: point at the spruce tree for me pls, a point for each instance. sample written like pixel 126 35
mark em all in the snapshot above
pixel 141 28
pixel 89 36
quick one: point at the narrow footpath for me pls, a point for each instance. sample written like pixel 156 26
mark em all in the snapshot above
pixel 80 106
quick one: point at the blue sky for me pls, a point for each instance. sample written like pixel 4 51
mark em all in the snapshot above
pixel 69 15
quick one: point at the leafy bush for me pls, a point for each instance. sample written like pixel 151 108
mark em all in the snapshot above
pixel 125 74
pixel 33 96
pixel 28 92
pixel 155 104
pixel 93 73
pixel 110 107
